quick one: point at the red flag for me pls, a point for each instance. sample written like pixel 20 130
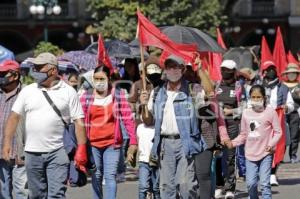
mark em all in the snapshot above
pixel 279 53
pixel 102 54
pixel 291 58
pixel 215 60
pixel 220 39
pixel 150 35
pixel 280 147
pixel 266 56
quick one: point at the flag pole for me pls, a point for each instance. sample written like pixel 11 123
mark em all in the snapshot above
pixel 143 66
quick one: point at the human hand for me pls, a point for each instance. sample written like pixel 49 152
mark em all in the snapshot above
pixel 131 154
pixel 269 149
pixel 144 97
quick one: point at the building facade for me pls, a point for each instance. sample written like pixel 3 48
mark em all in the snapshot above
pixel 20 30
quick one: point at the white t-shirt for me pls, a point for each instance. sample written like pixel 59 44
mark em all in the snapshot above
pixel 145 136
pixel 44 128
pixel 169 124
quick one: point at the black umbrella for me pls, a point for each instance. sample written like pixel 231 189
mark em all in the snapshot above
pixel 189 35
pixel 243 56
pixel 117 49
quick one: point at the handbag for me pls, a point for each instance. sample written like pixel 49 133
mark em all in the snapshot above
pixel 77 178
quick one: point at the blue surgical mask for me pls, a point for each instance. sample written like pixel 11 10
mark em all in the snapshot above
pixel 39 77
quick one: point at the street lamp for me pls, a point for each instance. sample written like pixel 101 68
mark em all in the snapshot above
pixel 45 8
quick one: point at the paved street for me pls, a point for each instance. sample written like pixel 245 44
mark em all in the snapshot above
pixel 289 179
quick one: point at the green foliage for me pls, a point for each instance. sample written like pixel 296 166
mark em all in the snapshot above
pixel 117 18
pixel 47 47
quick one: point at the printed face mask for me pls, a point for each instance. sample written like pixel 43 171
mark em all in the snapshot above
pixel 101 86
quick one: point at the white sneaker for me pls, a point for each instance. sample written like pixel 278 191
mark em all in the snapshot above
pixel 229 195
pixel 273 180
pixel 219 193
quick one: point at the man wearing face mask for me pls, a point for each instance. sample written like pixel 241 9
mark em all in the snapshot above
pixel 292 73
pixel 46 160
pixel 153 79
pixel 177 136
pixel 230 95
pixel 278 95
pixel 12 172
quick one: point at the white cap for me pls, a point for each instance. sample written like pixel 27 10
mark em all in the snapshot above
pixel 152 69
pixel 230 64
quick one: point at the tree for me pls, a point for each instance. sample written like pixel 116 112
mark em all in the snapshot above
pixel 117 18
pixel 47 47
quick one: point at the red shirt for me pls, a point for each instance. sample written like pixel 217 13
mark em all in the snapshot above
pixel 102 125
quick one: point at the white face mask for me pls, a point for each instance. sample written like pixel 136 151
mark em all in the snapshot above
pixel 173 75
pixel 257 105
pixel 292 76
pixel 101 86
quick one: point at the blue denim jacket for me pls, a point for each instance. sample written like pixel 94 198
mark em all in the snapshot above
pixel 187 122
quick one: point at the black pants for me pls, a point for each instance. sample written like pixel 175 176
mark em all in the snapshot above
pixel 203 173
pixel 293 121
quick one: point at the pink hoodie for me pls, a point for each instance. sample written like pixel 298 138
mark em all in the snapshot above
pixel 258 131
pixel 121 110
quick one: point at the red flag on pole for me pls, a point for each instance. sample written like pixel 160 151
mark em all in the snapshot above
pixel 102 54
pixel 266 55
pixel 220 39
pixel 280 147
pixel 279 54
pixel 291 58
pixel 215 60
pixel 150 35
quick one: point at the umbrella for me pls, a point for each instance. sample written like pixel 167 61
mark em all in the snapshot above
pixel 117 49
pixel 6 54
pixel 63 66
pixel 189 35
pixel 243 56
pixel 82 59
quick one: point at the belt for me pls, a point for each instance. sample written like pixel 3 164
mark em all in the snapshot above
pixel 173 137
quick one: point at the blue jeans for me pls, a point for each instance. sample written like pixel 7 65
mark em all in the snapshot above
pixel 241 161
pixel 259 170
pixel 19 182
pixel 177 173
pixel 148 181
pixel 123 155
pixel 106 160
pixel 47 174
pixel 5 179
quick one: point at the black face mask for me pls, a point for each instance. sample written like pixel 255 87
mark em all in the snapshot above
pixel 271 75
pixel 227 75
pixel 154 78
pixel 4 82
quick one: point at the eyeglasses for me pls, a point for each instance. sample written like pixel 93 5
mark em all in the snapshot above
pixel 5 74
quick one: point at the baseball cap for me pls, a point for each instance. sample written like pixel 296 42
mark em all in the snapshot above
pixel 175 59
pixel 45 58
pixel 152 69
pixel 230 64
pixel 9 65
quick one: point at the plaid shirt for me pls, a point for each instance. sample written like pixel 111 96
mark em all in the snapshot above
pixel 6 102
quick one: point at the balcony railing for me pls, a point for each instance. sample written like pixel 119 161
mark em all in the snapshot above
pixel 8 11
pixel 263 8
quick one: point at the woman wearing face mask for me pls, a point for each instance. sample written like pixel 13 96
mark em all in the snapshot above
pixel 260 132
pixel 292 75
pixel 107 115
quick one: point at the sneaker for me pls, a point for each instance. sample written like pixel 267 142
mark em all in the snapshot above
pixel 273 180
pixel 241 179
pixel 219 193
pixel 229 195
pixel 294 160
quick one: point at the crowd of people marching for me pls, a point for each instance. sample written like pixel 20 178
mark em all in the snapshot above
pixel 188 136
